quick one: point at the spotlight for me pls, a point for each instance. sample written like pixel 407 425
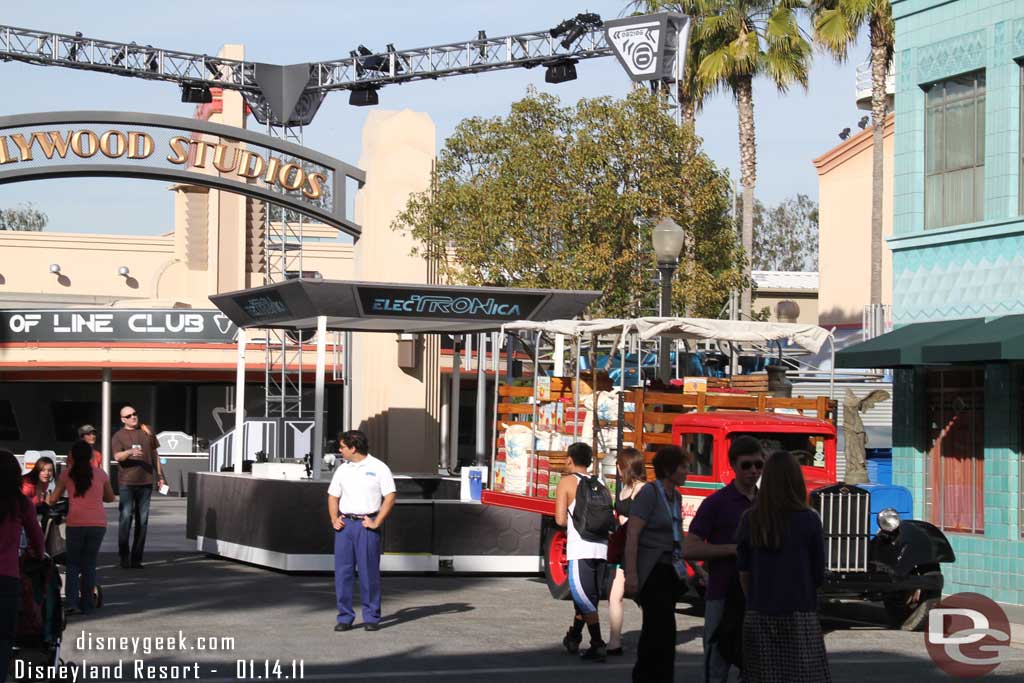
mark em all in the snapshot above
pixel 55 268
pixel 844 133
pixel 196 94
pixel 73 52
pixel 863 123
pixel 123 271
pixel 152 62
pixel 482 37
pixel 363 97
pixel 562 28
pixel 370 60
pixel 560 71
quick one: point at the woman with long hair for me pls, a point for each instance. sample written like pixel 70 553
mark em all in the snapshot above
pixel 780 555
pixel 632 475
pixel 17 514
pixel 38 483
pixel 88 488
pixel 654 560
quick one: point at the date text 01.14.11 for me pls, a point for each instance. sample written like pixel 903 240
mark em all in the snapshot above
pixel 270 669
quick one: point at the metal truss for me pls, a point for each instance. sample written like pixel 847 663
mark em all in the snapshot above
pixel 362 69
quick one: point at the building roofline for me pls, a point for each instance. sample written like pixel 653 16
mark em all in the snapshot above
pixel 848 148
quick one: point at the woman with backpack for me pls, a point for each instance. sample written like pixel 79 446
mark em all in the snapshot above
pixel 633 476
pixel 654 564
pixel 88 488
pixel 17 514
pixel 583 506
pixel 780 555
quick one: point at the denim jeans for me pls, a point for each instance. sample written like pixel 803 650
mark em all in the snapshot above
pixel 133 506
pixel 83 547
pixel 716 669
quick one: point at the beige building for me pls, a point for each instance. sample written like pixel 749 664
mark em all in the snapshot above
pixel 98 310
pixel 844 242
pixel 797 292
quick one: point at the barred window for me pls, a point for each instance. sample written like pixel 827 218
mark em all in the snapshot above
pixel 954 151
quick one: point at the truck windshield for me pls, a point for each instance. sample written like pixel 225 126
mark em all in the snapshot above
pixel 809 449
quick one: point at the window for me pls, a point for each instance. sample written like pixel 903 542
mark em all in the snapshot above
pixel 8 425
pixel 701 450
pixel 954 151
pixel 808 449
pixel 68 416
pixel 955 472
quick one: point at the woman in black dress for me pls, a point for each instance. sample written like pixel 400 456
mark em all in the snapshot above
pixel 780 555
pixel 633 475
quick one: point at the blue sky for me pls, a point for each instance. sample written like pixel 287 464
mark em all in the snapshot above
pixel 791 129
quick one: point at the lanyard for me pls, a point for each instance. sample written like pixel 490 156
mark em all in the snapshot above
pixel 674 516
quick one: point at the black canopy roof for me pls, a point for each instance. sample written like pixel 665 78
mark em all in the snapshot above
pixel 393 307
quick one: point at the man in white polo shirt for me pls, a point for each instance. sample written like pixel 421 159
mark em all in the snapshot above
pixel 359 499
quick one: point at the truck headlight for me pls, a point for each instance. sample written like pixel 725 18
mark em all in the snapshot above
pixel 889 520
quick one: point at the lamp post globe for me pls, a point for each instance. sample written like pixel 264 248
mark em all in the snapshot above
pixel 667 238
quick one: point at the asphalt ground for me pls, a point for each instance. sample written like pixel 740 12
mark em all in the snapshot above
pixel 459 628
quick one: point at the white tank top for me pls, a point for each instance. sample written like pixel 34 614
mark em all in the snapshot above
pixel 578 549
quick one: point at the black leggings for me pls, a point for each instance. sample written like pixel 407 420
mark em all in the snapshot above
pixel 10 593
pixel 656 652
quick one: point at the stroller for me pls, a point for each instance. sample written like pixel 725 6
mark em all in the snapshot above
pixel 52 520
pixel 41 610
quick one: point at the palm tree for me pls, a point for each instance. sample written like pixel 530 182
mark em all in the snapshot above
pixel 837 24
pixel 741 40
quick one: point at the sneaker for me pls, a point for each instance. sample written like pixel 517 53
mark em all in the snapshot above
pixel 595 653
pixel 372 626
pixel 572 643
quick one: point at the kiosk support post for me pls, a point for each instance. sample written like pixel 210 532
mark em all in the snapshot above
pixel 453 410
pixel 481 400
pixel 238 442
pixel 318 396
pixel 106 417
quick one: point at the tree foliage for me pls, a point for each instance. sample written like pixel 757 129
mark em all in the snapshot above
pixel 24 218
pixel 786 235
pixel 565 197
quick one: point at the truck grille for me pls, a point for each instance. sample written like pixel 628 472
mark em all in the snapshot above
pixel 845 517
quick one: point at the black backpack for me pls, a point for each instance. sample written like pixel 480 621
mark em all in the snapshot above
pixel 593 515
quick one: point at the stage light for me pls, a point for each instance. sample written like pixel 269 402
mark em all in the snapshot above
pixel 844 133
pixel 212 65
pixel 196 94
pixel 562 28
pixel 152 62
pixel 73 52
pixel 560 71
pixel 363 97
pixel 863 123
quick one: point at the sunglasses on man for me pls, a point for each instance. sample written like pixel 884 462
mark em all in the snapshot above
pixel 129 416
pixel 756 464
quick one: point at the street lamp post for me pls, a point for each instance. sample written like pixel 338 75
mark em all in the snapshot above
pixel 667 237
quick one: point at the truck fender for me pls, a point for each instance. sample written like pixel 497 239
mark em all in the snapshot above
pixel 920 543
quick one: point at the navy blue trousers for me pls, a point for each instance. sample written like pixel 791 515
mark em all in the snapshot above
pixel 356 547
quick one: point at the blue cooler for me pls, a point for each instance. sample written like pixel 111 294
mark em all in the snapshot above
pixel 888 496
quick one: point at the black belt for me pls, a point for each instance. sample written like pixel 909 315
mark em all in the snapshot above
pixel 346 515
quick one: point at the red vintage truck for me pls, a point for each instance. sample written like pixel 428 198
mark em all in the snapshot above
pixel 871 552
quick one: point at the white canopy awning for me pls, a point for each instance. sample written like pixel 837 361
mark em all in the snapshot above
pixel 810 337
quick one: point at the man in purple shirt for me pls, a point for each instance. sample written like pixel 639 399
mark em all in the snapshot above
pixel 712 538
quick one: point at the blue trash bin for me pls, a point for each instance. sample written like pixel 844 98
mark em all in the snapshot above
pixel 475 484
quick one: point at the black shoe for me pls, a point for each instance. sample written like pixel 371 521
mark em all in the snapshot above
pixel 125 564
pixel 595 653
pixel 615 651
pixel 137 565
pixel 341 628
pixel 372 627
pixel 571 642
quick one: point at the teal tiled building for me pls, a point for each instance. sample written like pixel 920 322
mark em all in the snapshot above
pixel 958 280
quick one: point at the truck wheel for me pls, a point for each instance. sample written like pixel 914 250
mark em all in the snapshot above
pixel 908 610
pixel 556 572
